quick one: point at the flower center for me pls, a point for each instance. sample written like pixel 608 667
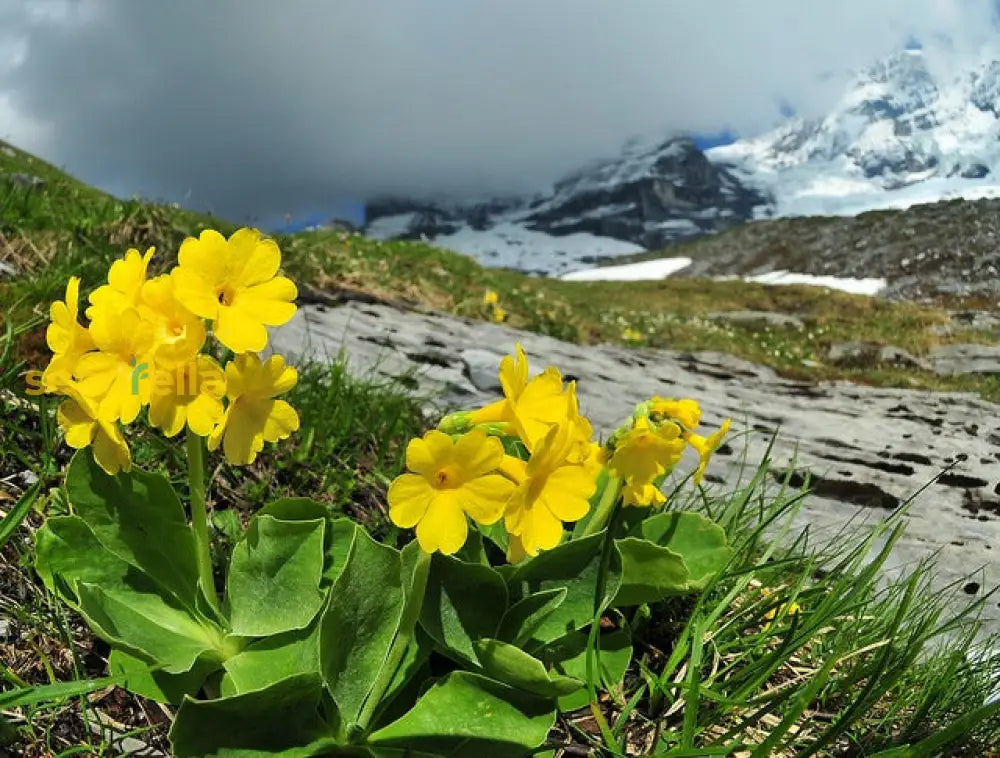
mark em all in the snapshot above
pixel 446 477
pixel 226 296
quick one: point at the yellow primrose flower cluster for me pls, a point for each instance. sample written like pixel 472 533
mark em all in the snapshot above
pixel 464 469
pixel 491 300
pixel 142 347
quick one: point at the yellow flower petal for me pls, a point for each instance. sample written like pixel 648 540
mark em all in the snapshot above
pixel 409 497
pixel 485 497
pixel 425 455
pixel 443 526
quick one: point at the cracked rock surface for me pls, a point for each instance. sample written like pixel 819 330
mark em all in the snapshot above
pixel 867 449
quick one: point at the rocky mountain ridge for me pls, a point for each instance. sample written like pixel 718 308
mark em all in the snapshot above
pixel 902 134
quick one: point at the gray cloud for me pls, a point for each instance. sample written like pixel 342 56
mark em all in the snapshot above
pixel 250 108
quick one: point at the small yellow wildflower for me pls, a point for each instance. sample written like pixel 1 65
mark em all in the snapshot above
pixel 447 480
pixel 642 455
pixel 125 280
pixel 67 338
pixel 631 335
pixel 490 298
pixel 706 446
pixel 255 415
pixel 77 415
pixel 189 393
pixel 552 488
pixel 118 373
pixel 179 334
pixel 685 412
pixel 532 406
pixel 234 283
pixel 499 314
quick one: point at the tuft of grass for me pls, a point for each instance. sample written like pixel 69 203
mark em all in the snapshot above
pixel 800 648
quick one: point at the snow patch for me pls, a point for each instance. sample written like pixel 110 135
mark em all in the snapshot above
pixel 512 245
pixel 630 272
pixel 854 286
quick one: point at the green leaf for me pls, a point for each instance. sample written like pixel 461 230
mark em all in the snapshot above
pixel 568 656
pixel 522 619
pixel 519 669
pixel 464 602
pixel 138 517
pixel 51 693
pixel 339 534
pixel 575 566
pixel 360 622
pixel 469 716
pixel 119 601
pixel 274 576
pixel 670 554
pixel 136 676
pixel 282 720
pixel 272 659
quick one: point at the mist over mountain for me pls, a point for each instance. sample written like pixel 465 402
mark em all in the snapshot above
pixel 902 133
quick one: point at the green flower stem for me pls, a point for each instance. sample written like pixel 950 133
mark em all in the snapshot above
pixel 199 516
pixel 609 498
pixel 407 626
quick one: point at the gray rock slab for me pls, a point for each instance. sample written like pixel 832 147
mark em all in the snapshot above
pixel 950 360
pixel 868 449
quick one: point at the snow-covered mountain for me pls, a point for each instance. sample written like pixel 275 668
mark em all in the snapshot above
pixel 648 197
pixel 900 135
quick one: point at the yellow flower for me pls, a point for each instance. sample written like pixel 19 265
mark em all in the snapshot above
pixel 490 298
pixel 254 415
pixel 499 314
pixel 532 406
pixel 449 479
pixel 631 335
pixel 188 393
pixel 643 493
pixel 179 334
pixel 553 487
pixel 686 412
pixel 66 338
pixel 78 418
pixel 118 374
pixel 642 455
pixel 706 446
pixel 125 279
pixel 233 282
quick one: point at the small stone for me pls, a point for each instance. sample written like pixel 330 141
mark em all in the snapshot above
pixel 757 318
pixel 481 367
pixel 27 181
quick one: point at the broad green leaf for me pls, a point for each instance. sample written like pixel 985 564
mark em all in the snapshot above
pixel 272 659
pixel 569 657
pixel 670 554
pixel 360 622
pixel 274 576
pixel 469 716
pixel 119 601
pixel 575 566
pixel 136 676
pixel 339 535
pixel 517 668
pixel 138 517
pixel 146 624
pixel 282 720
pixel 464 602
pixel 523 618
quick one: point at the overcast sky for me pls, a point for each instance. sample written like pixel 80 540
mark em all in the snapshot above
pixel 253 109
